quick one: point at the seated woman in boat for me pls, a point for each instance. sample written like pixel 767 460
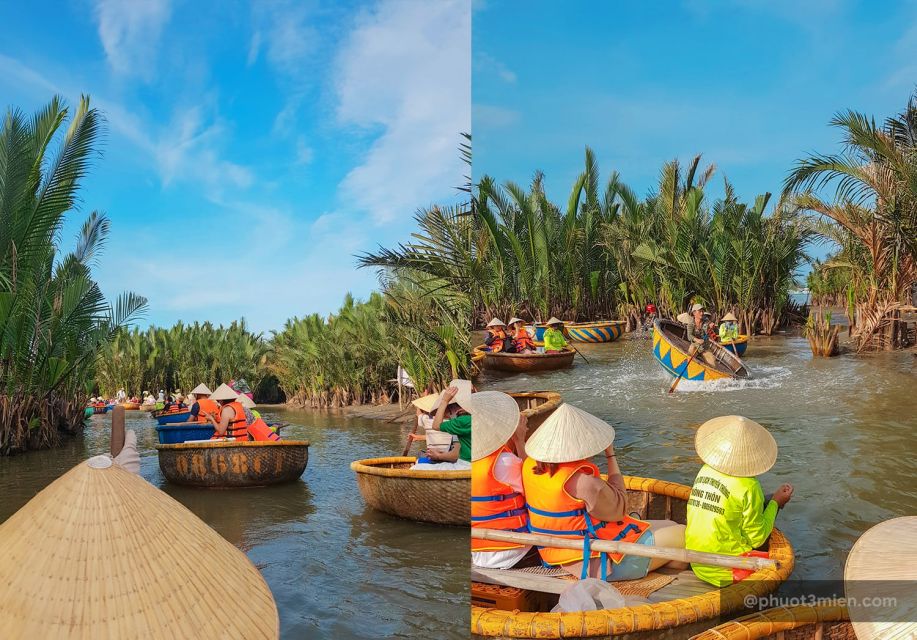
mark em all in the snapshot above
pixel 497 494
pixel 452 417
pixel 698 334
pixel 554 341
pixel 729 329
pixel 728 512
pixel 497 340
pixel 522 341
pixel 566 496
pixel 438 441
pixel 231 422
pixel 202 405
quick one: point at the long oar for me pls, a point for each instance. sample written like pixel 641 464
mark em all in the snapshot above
pixel 684 370
pixel 407 445
pixel 628 548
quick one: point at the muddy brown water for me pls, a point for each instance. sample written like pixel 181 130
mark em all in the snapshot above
pixel 337 569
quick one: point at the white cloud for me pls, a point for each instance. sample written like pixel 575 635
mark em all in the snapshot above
pixel 407 67
pixel 487 63
pixel 129 31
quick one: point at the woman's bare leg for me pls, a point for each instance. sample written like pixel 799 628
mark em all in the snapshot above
pixel 667 533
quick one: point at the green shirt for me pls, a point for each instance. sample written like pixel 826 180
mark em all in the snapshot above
pixel 460 426
pixel 726 514
pixel 554 340
pixel 729 334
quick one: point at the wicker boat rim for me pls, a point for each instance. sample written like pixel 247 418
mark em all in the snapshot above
pixel 227 444
pixel 374 467
pixel 493 622
pixel 770 621
pixel 502 354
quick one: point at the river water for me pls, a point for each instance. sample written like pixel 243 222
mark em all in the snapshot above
pixel 337 569
pixel 845 427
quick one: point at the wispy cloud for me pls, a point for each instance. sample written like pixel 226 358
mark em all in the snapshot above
pixel 407 68
pixel 130 33
pixel 486 63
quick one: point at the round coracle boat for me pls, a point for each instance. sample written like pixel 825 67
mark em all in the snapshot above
pixel 172 416
pixel 737 346
pixel 233 463
pixel 439 497
pixel 604 331
pixel 682 603
pixel 131 406
pixel 670 348
pixel 526 362
pixel 537 406
pixel 805 622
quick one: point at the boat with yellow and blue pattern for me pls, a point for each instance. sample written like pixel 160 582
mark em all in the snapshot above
pixel 670 348
pixel 601 331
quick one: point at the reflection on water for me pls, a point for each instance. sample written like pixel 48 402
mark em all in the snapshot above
pixel 336 568
pixel 845 427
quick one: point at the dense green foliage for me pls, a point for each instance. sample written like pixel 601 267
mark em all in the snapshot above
pixel 54 320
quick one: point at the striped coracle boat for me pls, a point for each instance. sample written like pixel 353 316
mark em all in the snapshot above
pixel 670 348
pixel 737 346
pixel 604 331
pixel 804 622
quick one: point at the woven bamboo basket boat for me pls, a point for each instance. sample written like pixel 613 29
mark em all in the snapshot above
pixel 737 346
pixel 670 348
pixel 537 406
pixel 228 463
pixel 604 331
pixel 806 622
pixel 390 486
pixel 655 500
pixel 131 406
pixel 526 362
pixel 171 417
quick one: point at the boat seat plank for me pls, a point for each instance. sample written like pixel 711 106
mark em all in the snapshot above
pixel 686 584
pixel 520 580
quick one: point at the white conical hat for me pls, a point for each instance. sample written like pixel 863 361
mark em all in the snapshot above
pixel 881 570
pixel 494 418
pixel 224 392
pixel 553 320
pixel 569 434
pixel 427 402
pixel 461 398
pixel 102 553
pixel 496 322
pixel 736 446
pixel 729 317
pixel 685 318
pixel 246 402
pixel 201 390
pixel 514 320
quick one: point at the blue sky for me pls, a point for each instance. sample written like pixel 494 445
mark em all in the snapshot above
pixel 750 84
pixel 252 146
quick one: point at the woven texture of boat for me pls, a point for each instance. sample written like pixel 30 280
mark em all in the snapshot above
pixel 170 417
pixel 537 406
pixel 805 622
pixel 439 497
pixel 131 406
pixel 670 348
pixel 737 346
pixel 605 331
pixel 228 463
pixel 684 602
pixel 526 362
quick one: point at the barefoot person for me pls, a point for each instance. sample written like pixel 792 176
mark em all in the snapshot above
pixel 565 495
pixel 728 512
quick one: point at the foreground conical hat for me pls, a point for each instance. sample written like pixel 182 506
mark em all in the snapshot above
pixel 224 392
pixel 496 322
pixel 554 320
pixel 736 446
pixel 427 402
pixel 201 390
pixel 569 434
pixel 881 572
pixel 684 318
pixel 514 320
pixel 729 317
pixel 461 398
pixel 494 418
pixel 246 402
pixel 102 553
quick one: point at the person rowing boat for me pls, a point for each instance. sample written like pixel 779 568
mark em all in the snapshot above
pixel 554 340
pixel 699 331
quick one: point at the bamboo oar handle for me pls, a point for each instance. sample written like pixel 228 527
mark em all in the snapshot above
pixel 628 548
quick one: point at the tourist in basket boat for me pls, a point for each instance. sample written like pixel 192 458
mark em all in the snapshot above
pixel 728 512
pixel 566 496
pixel 452 417
pixel 202 405
pixel 497 339
pixel 554 340
pixel 522 341
pixel 650 318
pixel 437 441
pixel 232 422
pixel 699 329
pixel 729 328
pixel 497 494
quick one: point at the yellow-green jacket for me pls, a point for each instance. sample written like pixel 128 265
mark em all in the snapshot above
pixel 726 514
pixel 554 340
pixel 729 334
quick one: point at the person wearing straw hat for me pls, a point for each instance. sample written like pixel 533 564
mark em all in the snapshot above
pixel 497 340
pixel 728 512
pixel 729 329
pixel 437 441
pixel 232 423
pixel 566 496
pixel 554 340
pixel 203 405
pixel 699 330
pixel 522 341
pixel 497 493
pixel 452 416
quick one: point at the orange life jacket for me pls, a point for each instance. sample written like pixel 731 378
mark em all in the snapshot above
pixel 260 431
pixel 523 340
pixel 494 505
pixel 205 406
pixel 553 511
pixel 499 336
pixel 237 427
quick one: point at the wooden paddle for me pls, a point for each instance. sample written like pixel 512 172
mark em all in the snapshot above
pixel 407 446
pixel 683 372
pixel 628 548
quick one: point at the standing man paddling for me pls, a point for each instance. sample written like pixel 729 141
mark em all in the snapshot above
pixel 699 334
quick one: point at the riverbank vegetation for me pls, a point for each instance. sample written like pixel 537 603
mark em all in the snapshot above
pixel 54 320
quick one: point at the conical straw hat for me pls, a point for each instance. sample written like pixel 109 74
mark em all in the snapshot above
pixel 514 320
pixel 496 322
pixel 569 434
pixel 246 402
pixel 736 446
pixel 729 317
pixel 684 318
pixel 461 398
pixel 881 570
pixel 427 402
pixel 201 390
pixel 553 320
pixel 102 553
pixel 494 418
pixel 224 392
